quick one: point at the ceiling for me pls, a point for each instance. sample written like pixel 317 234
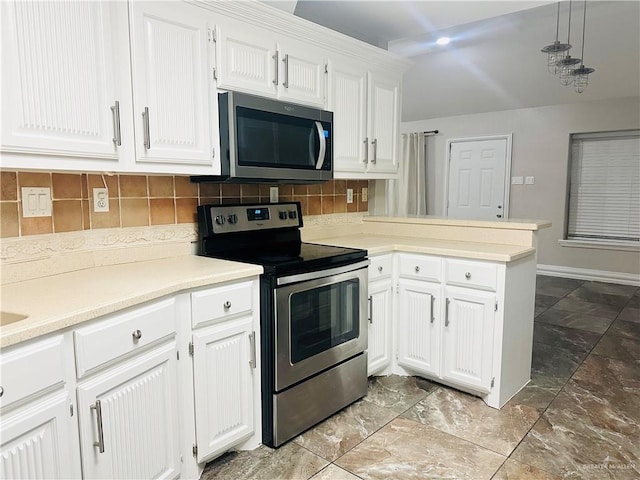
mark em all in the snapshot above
pixel 493 61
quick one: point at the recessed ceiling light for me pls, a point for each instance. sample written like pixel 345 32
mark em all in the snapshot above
pixel 443 41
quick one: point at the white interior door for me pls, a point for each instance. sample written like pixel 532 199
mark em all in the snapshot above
pixel 477 173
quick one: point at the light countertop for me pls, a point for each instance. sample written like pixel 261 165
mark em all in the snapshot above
pixel 511 224
pixel 56 302
pixel 379 244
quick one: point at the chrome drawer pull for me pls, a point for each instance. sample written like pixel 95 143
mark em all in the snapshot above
pixel 417 268
pixel 380 268
pixel 227 305
pixel 467 275
pixel 137 335
pixel 98 408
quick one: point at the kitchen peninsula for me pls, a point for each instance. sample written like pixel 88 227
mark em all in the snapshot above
pixel 441 306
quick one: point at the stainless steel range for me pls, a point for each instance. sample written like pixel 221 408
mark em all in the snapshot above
pixel 313 301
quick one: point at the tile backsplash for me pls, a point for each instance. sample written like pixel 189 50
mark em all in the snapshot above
pixel 140 200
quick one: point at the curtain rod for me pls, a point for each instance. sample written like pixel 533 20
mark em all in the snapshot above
pixel 428 132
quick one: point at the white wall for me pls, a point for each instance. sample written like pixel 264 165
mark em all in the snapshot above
pixel 541 149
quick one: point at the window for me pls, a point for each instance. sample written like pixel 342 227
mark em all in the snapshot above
pixel 604 190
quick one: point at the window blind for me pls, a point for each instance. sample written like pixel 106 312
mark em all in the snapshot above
pixel 604 190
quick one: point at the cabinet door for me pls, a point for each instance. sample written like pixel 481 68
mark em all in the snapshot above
pixel 61 83
pixel 173 82
pixel 383 120
pixel 39 440
pixel 419 326
pixel 468 337
pixel 130 412
pixel 303 73
pixel 223 368
pixel 380 304
pixel 246 58
pixel 347 101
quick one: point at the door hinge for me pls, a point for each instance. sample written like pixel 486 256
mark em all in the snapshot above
pixel 495 308
pixel 211 34
pixel 195 450
pixel 493 381
pixel 177 354
pixel 190 348
pixel 326 68
pixel 215 74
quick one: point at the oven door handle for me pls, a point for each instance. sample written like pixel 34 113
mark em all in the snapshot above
pixel 303 277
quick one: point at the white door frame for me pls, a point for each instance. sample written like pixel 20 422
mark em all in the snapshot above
pixel 507 168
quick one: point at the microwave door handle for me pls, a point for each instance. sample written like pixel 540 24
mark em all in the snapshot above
pixel 323 145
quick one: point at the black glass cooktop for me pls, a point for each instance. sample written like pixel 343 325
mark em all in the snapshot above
pixel 294 258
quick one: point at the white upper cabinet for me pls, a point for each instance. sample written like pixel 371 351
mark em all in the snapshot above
pixel 172 84
pixel 64 84
pixel 260 62
pixel 366 114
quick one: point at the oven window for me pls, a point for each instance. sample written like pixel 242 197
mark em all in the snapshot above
pixel 323 317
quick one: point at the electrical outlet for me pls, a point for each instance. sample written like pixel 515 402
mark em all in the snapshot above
pixel 100 200
pixel 365 194
pixel 349 195
pixel 529 180
pixel 273 194
pixel 517 180
pixel 36 202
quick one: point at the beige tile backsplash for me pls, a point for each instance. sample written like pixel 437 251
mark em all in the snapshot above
pixel 140 200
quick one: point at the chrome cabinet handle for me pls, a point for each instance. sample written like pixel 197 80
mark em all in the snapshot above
pixel 117 134
pixel 417 268
pixel 366 150
pixel 227 305
pixel 499 216
pixel 285 60
pixel 276 57
pixel 467 275
pixel 137 335
pixel 433 315
pixel 252 349
pixel 370 309
pixel 446 313
pixel 1 391
pixel 374 142
pixel 98 408
pixel 380 268
pixel 145 128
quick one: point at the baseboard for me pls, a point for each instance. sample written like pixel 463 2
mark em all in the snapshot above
pixel 592 275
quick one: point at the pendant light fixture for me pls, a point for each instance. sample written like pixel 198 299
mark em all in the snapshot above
pixel 555 51
pixel 581 74
pixel 567 65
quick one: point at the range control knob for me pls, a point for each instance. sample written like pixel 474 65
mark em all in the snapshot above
pixel 220 219
pixel 282 215
pixel 293 214
pixel 233 218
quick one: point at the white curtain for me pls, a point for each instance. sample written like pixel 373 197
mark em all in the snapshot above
pixel 408 194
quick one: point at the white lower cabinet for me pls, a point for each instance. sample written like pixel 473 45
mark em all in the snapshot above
pixel 419 326
pixel 379 351
pixel 129 418
pixel 468 338
pixel 224 361
pixel 38 429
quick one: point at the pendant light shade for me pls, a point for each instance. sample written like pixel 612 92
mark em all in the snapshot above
pixel 555 51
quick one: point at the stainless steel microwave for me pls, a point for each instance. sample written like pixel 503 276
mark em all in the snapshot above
pixel 265 140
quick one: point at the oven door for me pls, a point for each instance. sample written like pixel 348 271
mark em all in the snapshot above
pixel 320 321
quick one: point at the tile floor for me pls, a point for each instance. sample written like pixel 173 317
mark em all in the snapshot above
pixel 578 418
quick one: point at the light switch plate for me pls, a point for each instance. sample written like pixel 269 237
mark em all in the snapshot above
pixel 273 194
pixel 36 202
pixel 349 195
pixel 517 180
pixel 529 180
pixel 365 194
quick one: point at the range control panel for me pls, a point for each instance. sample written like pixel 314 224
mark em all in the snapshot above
pixel 245 218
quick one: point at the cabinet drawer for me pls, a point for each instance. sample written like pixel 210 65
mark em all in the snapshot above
pixel 380 267
pixel 219 303
pixel 472 274
pixel 122 333
pixel 30 369
pixel 420 267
